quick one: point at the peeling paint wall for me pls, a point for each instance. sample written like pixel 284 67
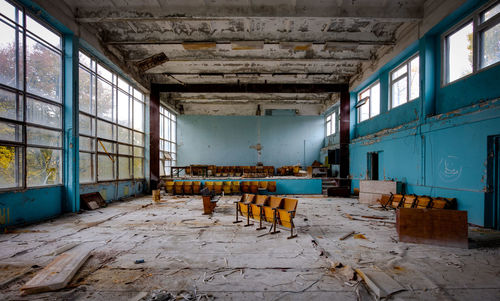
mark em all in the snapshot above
pixel 231 140
pixel 436 144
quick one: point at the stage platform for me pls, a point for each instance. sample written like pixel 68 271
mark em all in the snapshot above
pixel 284 185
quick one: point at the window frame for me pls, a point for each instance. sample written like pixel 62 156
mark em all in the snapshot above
pixel 23 97
pixel 358 105
pixel 406 63
pixel 97 149
pixel 167 115
pixel 331 124
pixel 477 29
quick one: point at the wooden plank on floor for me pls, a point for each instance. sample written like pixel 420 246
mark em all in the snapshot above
pixel 57 274
pixel 441 227
pixel 379 282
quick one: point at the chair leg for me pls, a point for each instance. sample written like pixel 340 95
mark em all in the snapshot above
pixel 274 223
pixel 260 220
pixel 237 220
pixel 292 226
pixel 248 217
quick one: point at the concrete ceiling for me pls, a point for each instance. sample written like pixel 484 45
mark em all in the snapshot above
pixel 246 41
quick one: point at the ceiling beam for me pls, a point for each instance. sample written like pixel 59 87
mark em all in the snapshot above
pixel 249 88
pixel 393 11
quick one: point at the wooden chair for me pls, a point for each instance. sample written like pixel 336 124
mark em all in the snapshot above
pixel 178 188
pixel 243 207
pixel 271 186
pixel 410 201
pixel 245 187
pixel 270 211
pixel 424 201
pixel 226 187
pixel 257 209
pixel 254 187
pixel 397 200
pixel 235 187
pixel 210 186
pixel 287 214
pixel 218 187
pixel 169 187
pixel 188 187
pixel 196 187
pixel 262 186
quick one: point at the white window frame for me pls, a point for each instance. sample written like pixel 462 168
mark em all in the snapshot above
pixel 168 142
pixel 331 124
pixel 477 29
pixel 366 102
pixel 408 84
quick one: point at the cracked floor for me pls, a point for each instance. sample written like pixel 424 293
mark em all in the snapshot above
pixel 184 250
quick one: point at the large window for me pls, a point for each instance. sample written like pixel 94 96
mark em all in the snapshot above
pixel 31 112
pixel 111 125
pixel 331 122
pixel 473 44
pixel 168 145
pixel 368 104
pixel 404 81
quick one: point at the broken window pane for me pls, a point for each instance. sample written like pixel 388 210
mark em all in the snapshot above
pixel 43 166
pixel 459 53
pixel 10 166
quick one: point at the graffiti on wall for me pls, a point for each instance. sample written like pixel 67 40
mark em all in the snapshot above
pixel 450 168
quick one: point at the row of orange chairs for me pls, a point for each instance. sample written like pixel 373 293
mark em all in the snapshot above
pixel 229 171
pixel 228 187
pixel 417 201
pixel 272 209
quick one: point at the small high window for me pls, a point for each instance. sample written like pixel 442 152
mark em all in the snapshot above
pixel 405 82
pixel 368 104
pixel 331 122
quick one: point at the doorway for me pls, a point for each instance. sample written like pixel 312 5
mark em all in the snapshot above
pixel 492 208
pixel 373 164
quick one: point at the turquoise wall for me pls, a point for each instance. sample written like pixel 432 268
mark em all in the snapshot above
pixel 228 140
pixel 437 144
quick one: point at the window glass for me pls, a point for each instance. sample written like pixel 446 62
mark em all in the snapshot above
pixel 399 92
pixel 11 132
pixel 42 32
pixel 375 100
pixel 86 167
pixel 138 115
pixel 123 109
pixel 38 136
pixel 8 10
pixel 10 106
pixel 459 51
pixel 104 100
pixel 10 166
pixel 104 129
pixel 105 165
pixel 124 167
pixel 138 168
pixel 85 91
pixel 369 102
pixel 43 70
pixel 43 113
pixel 8 55
pixel 43 166
pixel 490 46
pixel 491 12
pixel 415 78
pixel 86 144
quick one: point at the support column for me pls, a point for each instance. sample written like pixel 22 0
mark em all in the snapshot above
pixel 345 109
pixel 71 201
pixel 154 137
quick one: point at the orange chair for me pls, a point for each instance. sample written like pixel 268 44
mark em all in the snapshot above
pixel 210 186
pixel 271 186
pixel 178 188
pixel 245 187
pixel 254 187
pixel 226 187
pixel 188 187
pixel 243 207
pixel 235 187
pixel 257 209
pixel 287 214
pixel 270 211
pixel 196 187
pixel 263 186
pixel 218 187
